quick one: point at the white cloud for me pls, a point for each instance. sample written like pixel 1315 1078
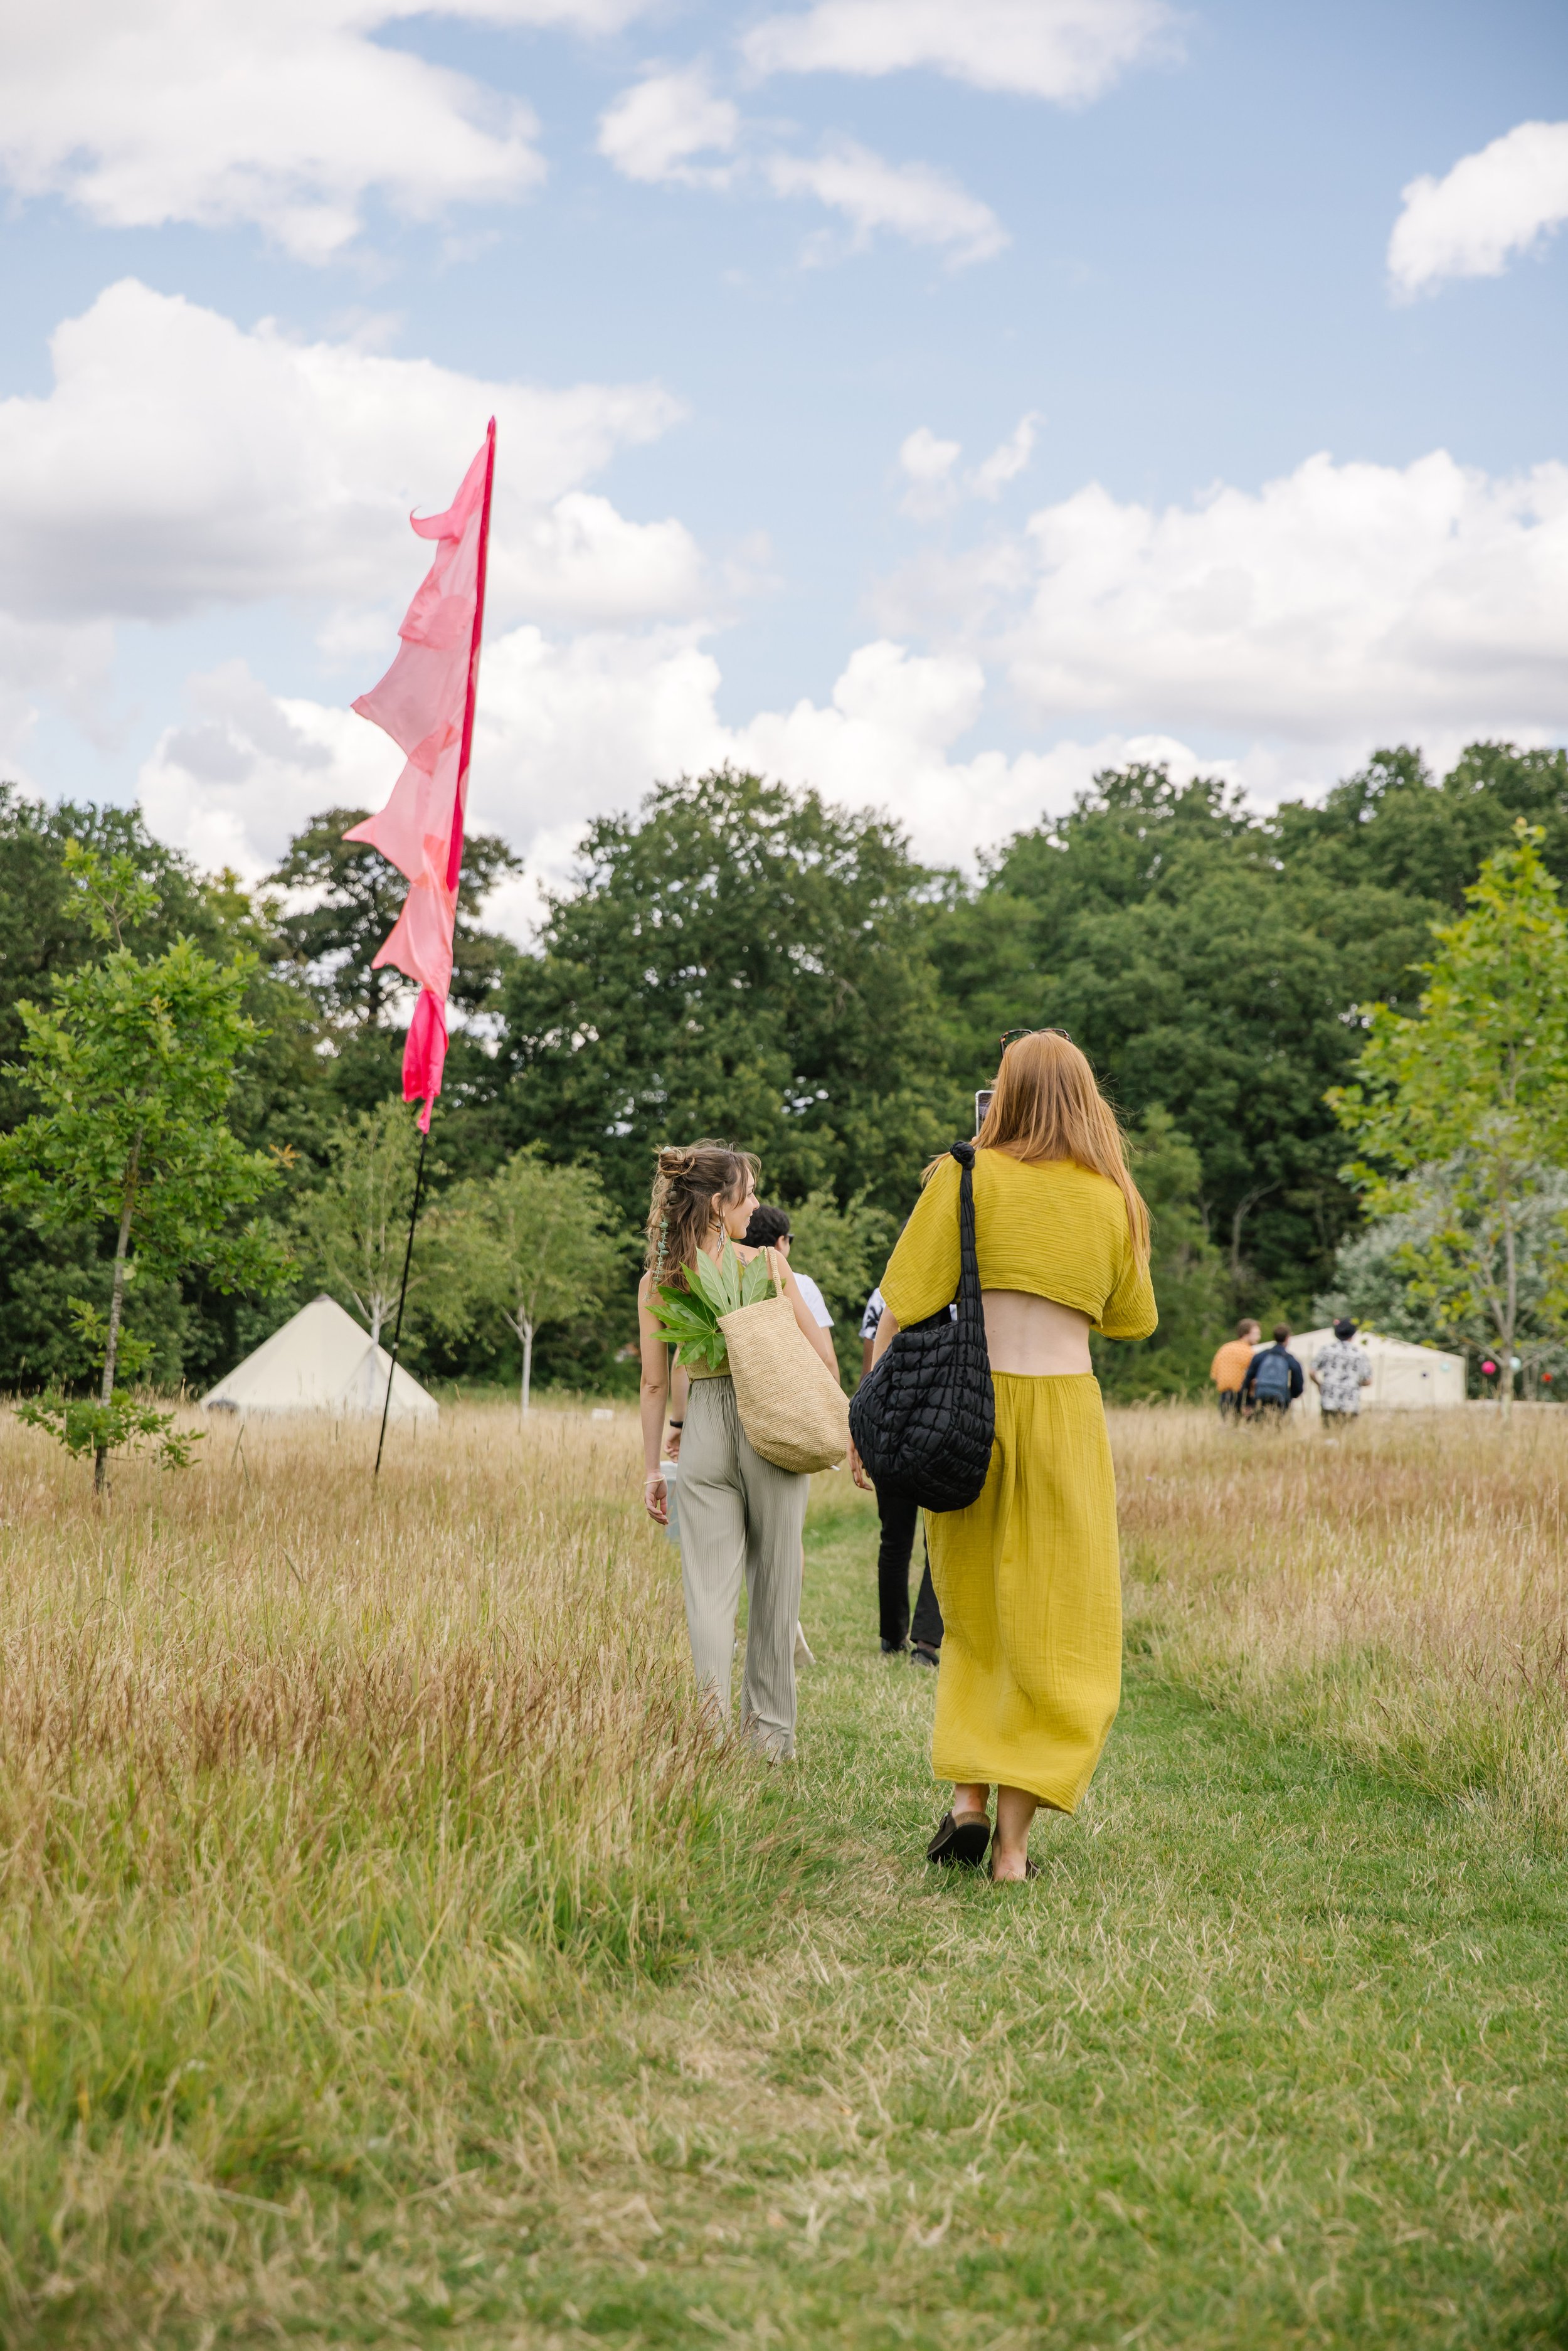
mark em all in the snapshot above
pixel 1491 205
pixel 249 768
pixel 1336 601
pixel 1007 460
pixel 570 730
pixel 181 461
pixel 927 464
pixel 288 114
pixel 914 200
pixel 654 129
pixel 1069 50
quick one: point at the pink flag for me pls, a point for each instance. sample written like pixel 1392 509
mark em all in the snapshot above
pixel 425 702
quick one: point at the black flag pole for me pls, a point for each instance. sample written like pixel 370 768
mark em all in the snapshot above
pixel 402 1293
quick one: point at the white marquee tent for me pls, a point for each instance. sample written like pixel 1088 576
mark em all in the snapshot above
pixel 320 1361
pixel 1404 1378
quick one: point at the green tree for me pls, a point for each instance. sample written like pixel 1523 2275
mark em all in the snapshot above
pixel 1461 1111
pixel 134 1062
pixel 1187 1272
pixel 352 1229
pixel 531 1244
pixel 280 1092
pixel 744 961
pixel 1158 924
pixel 328 947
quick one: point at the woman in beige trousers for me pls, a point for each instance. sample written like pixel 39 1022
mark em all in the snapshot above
pixel 740 1517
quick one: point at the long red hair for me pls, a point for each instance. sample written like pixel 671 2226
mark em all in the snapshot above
pixel 1046 1105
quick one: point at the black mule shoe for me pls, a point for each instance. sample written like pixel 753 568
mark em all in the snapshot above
pixel 961 1837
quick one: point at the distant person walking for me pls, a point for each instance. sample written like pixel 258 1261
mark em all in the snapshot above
pixel 1273 1380
pixel 900 1516
pixel 1340 1374
pixel 1231 1365
pixel 1028 1577
pixel 741 1516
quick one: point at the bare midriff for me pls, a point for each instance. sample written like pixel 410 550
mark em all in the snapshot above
pixel 1034 1337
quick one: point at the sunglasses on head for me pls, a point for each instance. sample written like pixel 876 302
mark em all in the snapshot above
pixel 1012 1036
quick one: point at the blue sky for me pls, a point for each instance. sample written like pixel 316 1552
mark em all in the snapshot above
pixel 755 323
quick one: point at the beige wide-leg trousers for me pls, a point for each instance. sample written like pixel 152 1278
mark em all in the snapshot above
pixel 741 1516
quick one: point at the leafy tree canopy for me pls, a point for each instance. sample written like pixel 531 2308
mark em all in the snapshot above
pixel 744 961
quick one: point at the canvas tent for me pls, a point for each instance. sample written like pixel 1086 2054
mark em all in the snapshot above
pixel 320 1361
pixel 1404 1378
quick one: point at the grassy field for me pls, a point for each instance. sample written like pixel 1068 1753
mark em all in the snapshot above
pixel 386 1958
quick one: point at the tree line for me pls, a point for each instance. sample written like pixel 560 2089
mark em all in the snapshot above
pixel 742 960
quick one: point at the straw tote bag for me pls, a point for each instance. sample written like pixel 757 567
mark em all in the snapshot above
pixel 925 1415
pixel 790 1406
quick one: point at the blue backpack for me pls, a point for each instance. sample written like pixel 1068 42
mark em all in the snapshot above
pixel 1272 1384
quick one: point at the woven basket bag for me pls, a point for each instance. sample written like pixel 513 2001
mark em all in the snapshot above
pixel 790 1406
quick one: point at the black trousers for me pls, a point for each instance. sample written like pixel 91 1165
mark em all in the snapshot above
pixel 898 1518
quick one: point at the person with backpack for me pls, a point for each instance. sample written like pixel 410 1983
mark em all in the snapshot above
pixel 1274 1378
pixel 1027 1573
pixel 1230 1364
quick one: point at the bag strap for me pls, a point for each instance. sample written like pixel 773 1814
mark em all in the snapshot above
pixel 968 1297
pixel 778 1289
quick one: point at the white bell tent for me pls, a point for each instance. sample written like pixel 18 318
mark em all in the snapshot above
pixel 320 1361
pixel 1404 1378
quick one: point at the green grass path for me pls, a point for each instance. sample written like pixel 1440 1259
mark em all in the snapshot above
pixel 1271 2054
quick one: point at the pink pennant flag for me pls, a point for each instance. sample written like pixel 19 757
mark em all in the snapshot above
pixel 425 702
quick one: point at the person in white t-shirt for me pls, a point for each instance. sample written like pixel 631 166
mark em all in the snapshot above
pixel 769 1228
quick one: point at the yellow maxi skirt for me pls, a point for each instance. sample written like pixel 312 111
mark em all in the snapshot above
pixel 1029 1578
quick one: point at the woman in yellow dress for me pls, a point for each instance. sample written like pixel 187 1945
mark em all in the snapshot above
pixel 1029 1576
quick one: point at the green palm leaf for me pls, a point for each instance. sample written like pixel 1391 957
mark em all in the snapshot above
pixel 757 1280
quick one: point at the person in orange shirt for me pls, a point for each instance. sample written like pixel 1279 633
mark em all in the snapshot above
pixel 1229 1368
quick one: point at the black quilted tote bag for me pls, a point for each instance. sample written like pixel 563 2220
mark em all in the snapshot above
pixel 924 1417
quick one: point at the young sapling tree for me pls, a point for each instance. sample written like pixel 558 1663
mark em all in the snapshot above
pixel 353 1229
pixel 532 1244
pixel 133 1062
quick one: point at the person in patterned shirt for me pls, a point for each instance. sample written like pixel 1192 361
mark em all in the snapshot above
pixel 1340 1374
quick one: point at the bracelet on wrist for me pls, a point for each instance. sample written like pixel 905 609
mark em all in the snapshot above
pixel 677 1424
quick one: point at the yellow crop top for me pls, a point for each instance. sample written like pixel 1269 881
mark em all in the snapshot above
pixel 1048 1227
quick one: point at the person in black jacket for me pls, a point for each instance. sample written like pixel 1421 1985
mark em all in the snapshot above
pixel 1274 1379
pixel 900 1518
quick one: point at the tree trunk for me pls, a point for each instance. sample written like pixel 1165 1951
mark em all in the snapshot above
pixel 116 1307
pixel 1249 1202
pixel 1510 1309
pixel 528 1364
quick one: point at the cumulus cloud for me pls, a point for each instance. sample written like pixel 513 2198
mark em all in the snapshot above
pixel 1289 629
pixel 654 129
pixel 1493 205
pixel 569 729
pixel 287 116
pixel 1069 50
pixel 179 461
pixel 912 200
pixel 1337 601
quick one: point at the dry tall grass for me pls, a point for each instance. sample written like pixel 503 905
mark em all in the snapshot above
pixel 316 1799
pixel 1400 1589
